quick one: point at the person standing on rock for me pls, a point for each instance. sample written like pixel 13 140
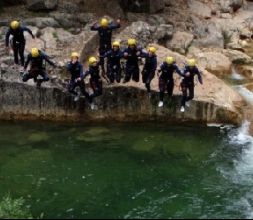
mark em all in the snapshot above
pixel 187 83
pixel 95 79
pixel 105 29
pixel 166 80
pixel 132 55
pixel 18 41
pixel 37 68
pixel 114 57
pixel 75 68
pixel 150 67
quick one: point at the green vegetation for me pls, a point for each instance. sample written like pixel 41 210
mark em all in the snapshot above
pixel 239 62
pixel 14 209
pixel 55 35
pixel 227 38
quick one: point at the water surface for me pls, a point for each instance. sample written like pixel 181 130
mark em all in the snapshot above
pixel 128 171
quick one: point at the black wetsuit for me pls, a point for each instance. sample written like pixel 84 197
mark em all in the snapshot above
pixel 132 65
pixel 114 69
pixel 166 79
pixel 95 80
pixel 149 69
pixel 37 67
pixel 105 42
pixel 77 79
pixel 18 43
pixel 188 83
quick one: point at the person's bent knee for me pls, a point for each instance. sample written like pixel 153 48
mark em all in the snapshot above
pixel 191 97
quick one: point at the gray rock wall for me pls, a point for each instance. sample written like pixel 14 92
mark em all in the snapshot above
pixel 20 102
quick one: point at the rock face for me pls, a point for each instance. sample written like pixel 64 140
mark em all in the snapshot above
pixel 215 102
pixel 11 2
pixel 140 6
pixel 117 104
pixel 40 5
pixel 180 42
pixel 213 31
pixel 213 61
pixel 228 5
pixel 200 9
pixel 146 33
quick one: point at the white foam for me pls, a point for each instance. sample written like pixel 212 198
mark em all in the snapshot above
pixel 242 174
pixel 236 76
pixel 243 166
pixel 246 94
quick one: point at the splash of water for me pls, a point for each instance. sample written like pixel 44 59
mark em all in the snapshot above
pixel 242 171
pixel 246 94
pixel 242 135
pixel 244 166
pixel 235 75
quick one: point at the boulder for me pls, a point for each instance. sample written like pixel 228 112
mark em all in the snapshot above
pixel 235 56
pixel 180 42
pixel 200 9
pixel 41 5
pixel 65 20
pixel 214 62
pixel 230 5
pixel 214 104
pixel 141 31
pixel 145 33
pixel 245 70
pixel 164 32
pixel 42 22
pixel 146 6
pixel 208 35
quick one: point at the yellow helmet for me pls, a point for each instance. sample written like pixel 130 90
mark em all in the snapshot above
pixel 92 60
pixel 116 44
pixel 74 54
pixel 132 42
pixel 14 25
pixel 104 22
pixel 170 60
pixel 35 52
pixel 191 62
pixel 152 50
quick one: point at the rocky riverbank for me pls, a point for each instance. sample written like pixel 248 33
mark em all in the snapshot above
pixel 216 32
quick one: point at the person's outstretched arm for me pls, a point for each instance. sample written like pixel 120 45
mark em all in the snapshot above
pixel 29 31
pixel 115 25
pixel 178 71
pixel 199 76
pixel 49 61
pixel 95 27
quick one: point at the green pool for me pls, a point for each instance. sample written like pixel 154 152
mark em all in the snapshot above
pixel 127 171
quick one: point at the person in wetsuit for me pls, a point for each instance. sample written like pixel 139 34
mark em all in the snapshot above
pixel 37 68
pixel 18 41
pixel 105 29
pixel 114 57
pixel 132 55
pixel 95 79
pixel 166 79
pixel 187 83
pixel 150 67
pixel 75 68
